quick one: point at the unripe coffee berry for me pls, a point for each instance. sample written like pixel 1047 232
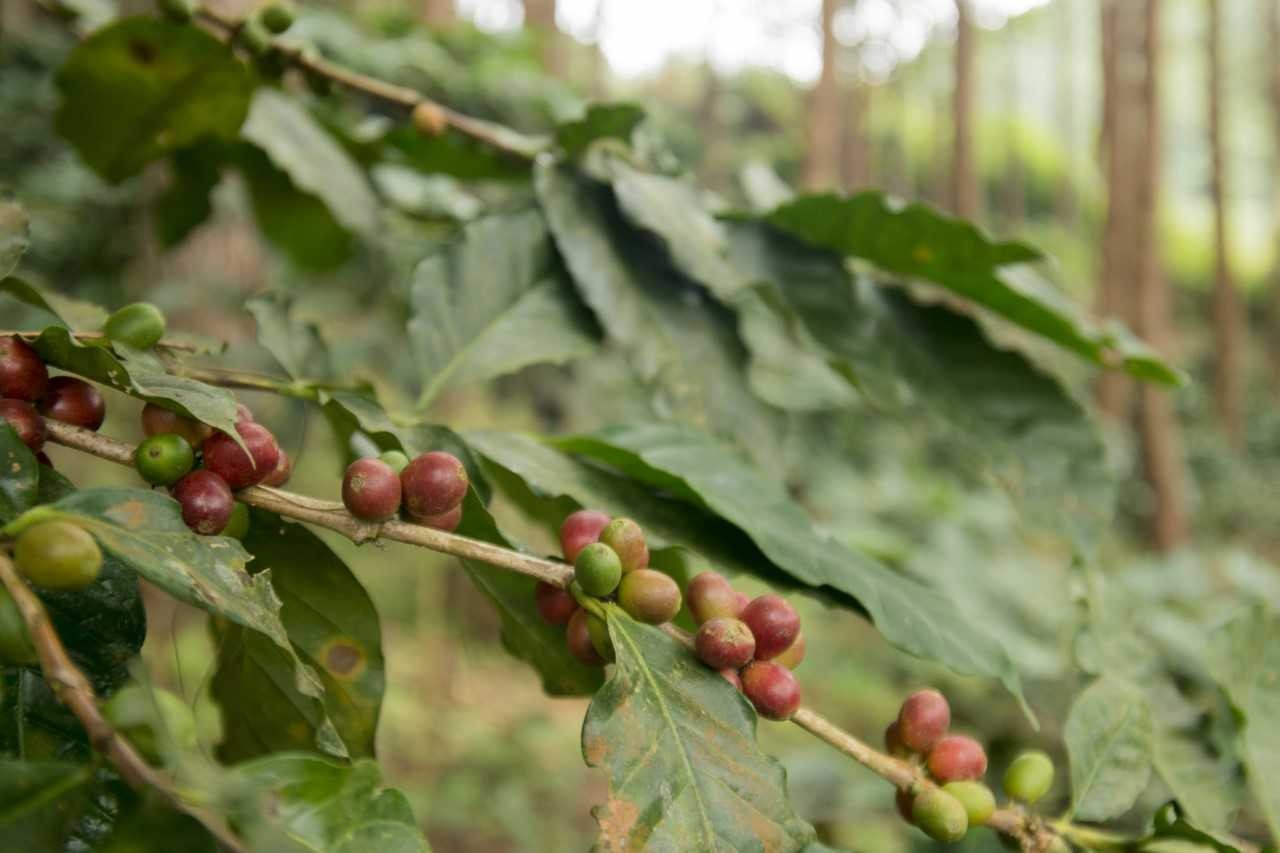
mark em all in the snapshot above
pixel 157 420
pixel 58 555
pixel 429 118
pixel 394 458
pixel 956 758
pixel 577 636
pixel 794 655
pixel 277 17
pixel 140 325
pixel 206 501
pixel 164 459
pixel 940 815
pixel 238 525
pixel 447 521
pixel 224 457
pixel 178 11
pixel 283 471
pixel 73 401
pixel 724 643
pixel 598 630
pixel 923 720
pixel 1029 777
pixel 23 375
pixel 978 801
pixel 597 569
pixel 626 538
pixel 774 623
pixel 709 596
pixel 580 529
pixel 15 642
pixel 649 596
pixel 554 604
pixel 433 484
pixel 26 422
pixel 772 689
pixel 371 490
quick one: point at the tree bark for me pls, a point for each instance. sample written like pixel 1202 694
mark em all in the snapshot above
pixel 965 198
pixel 1228 311
pixel 857 148
pixel 540 17
pixel 1161 435
pixel 1066 202
pixel 439 13
pixel 822 125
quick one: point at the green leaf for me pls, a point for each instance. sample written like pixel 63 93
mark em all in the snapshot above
pixel 145 530
pixel 334 628
pixel 15 235
pixel 185 203
pixel 492 302
pixel 918 242
pixel 300 147
pixel 1246 662
pixel 1108 736
pixel 912 617
pixel 141 88
pixel 1169 824
pixel 678 745
pixel 19 475
pixel 40 803
pixel 602 121
pixel 297 346
pixel 455 154
pixel 303 803
pixel 1206 786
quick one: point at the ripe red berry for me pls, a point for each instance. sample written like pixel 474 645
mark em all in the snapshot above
pixel 794 655
pixel 243 414
pixel 554 604
pixel 731 676
pixel 433 484
pixel 23 375
pixel 923 720
pixel 282 472
pixel 580 529
pixel 626 538
pixel 955 758
pixel 371 490
pixel 26 422
pixel 447 521
pixel 73 401
pixel 772 689
pixel 228 460
pixel 724 643
pixel 893 741
pixel 577 637
pixel 710 596
pixel 206 501
pixel 775 624
pixel 157 420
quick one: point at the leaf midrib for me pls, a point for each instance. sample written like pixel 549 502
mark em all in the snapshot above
pixel 1108 742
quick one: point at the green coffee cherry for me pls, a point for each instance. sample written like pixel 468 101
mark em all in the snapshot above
pixel 58 555
pixel 277 17
pixel 178 11
pixel 600 639
pixel 941 816
pixel 155 721
pixel 238 525
pixel 140 325
pixel 15 643
pixel 255 38
pixel 598 569
pixel 978 801
pixel 164 459
pixel 1029 777
pixel 395 460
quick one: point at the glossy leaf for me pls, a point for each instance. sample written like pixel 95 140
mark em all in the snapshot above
pixel 19 475
pixel 492 302
pixel 918 242
pixel 601 121
pixel 15 235
pixel 334 628
pixel 678 745
pixel 141 88
pixel 1108 735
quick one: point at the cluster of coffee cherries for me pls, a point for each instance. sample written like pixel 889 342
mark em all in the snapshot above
pixel 754 644
pixel 429 489
pixel 957 763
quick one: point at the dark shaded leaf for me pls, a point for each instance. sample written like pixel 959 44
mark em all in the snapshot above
pixel 602 121
pixel 452 153
pixel 19 475
pixel 40 803
pixel 15 235
pixel 185 203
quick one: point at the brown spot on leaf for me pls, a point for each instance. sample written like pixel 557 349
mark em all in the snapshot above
pixel 342 658
pixel 131 514
pixel 595 751
pixel 617 819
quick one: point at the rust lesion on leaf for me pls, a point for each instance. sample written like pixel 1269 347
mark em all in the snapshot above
pixel 132 514
pixel 617 819
pixel 343 658
pixel 596 749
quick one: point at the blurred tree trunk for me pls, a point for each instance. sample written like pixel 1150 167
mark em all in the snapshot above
pixel 1068 208
pixel 857 149
pixel 540 16
pixel 439 13
pixel 822 123
pixel 1228 311
pixel 965 198
pixel 1162 449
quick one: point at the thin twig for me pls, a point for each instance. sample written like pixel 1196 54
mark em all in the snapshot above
pixel 73 690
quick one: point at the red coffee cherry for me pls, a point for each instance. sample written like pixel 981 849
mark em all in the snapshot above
pixel 731 676
pixel 26 422
pixel 956 758
pixel 724 643
pixel 554 604
pixel 73 401
pixel 23 375
pixel 206 501
pixel 371 490
pixel 447 521
pixel 157 420
pixel 228 460
pixel 923 720
pixel 626 538
pixel 710 596
pixel 282 472
pixel 794 655
pixel 771 688
pixel 244 414
pixel 580 529
pixel 775 624
pixel 577 637
pixel 433 484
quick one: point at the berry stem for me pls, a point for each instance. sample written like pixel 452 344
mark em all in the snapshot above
pixel 74 691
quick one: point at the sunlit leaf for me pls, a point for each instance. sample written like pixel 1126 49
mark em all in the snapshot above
pixel 1108 737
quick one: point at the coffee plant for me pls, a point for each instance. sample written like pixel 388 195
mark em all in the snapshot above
pixel 742 334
